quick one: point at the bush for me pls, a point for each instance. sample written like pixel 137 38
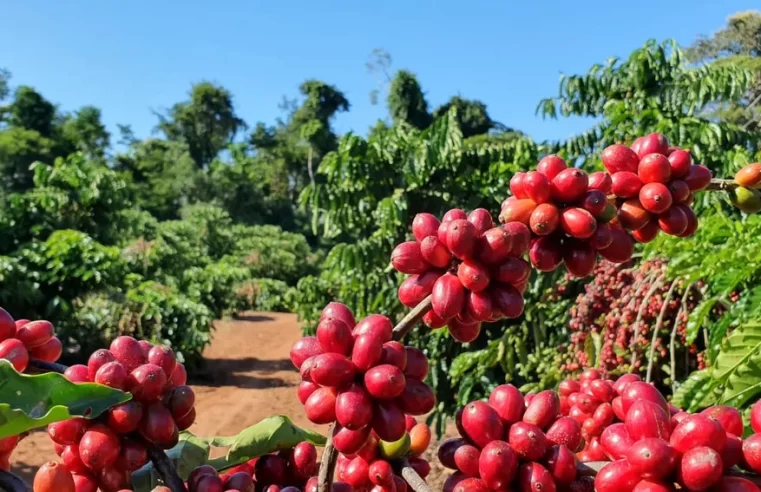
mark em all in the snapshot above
pixel 18 292
pixel 262 294
pixel 67 265
pixel 150 311
pixel 270 252
pixel 214 286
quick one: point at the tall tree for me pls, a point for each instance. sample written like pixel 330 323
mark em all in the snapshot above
pixel 737 44
pixel 206 123
pixel 406 101
pixel 31 111
pixel 85 131
pixel 472 115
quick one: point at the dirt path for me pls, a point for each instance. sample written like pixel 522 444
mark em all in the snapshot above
pixel 248 376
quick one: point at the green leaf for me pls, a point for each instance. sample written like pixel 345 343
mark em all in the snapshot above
pixel 697 317
pixel 696 392
pixel 189 453
pixel 32 401
pixel 269 435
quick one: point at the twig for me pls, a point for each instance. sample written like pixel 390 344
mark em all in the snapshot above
pixel 722 185
pixel 409 321
pixel 672 344
pixel 162 464
pixel 640 313
pixel 658 326
pixel 414 480
pixel 327 464
pixel 11 483
pixel 42 366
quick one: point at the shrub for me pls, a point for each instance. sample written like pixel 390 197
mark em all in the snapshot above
pixel 150 311
pixel 214 286
pixel 262 294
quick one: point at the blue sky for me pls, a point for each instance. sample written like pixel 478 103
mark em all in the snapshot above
pixel 131 57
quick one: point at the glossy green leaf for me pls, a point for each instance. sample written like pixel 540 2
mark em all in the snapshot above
pixel 32 401
pixel 269 435
pixel 697 318
pixel 696 392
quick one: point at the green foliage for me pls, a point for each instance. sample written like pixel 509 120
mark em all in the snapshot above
pixel 213 285
pixel 472 116
pixel 30 402
pixel 149 311
pixel 69 264
pixel 161 175
pixel 19 148
pixel 262 294
pixel 406 101
pixel 206 123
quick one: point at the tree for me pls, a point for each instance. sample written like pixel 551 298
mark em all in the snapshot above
pixel 738 44
pixel 472 115
pixel 206 123
pixel 85 131
pixel 406 101
pixel 31 111
pixel 19 148
pixel 161 175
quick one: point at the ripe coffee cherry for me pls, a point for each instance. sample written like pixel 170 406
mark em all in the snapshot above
pixel 700 468
pixel 698 430
pixel 537 187
pixel 579 258
pixel 303 349
pixel 68 431
pixel 516 185
pixel 435 252
pixel 99 448
pixel 15 352
pixel 626 184
pixel 528 441
pixel 7 325
pixel 654 168
pixel 35 333
pixel 495 245
pixel 481 423
pixel 578 223
pixel 339 311
pixel 698 177
pixel 424 225
pixel 407 258
pixel 354 408
pixel 473 276
pixel 632 215
pixel 128 351
pixel 332 370
pixel 367 352
pixel 463 332
pixel 673 221
pixel 569 185
pixel 544 219
pixel 375 324
pixel 448 296
pixel 158 426
pixel 461 238
pixel 654 143
pixel 655 197
pixel 53 477
pixel 481 220
pixel 388 421
pixel 600 181
pixel 618 158
pixel 96 360
pixel 162 356
pixel 680 162
pixel 551 166
pixel 335 336
pixel 125 417
pixel 320 407
pixel 497 465
pixel 147 382
pixel 180 401
pixel 417 398
pixel 679 190
pixel 112 374
pixel 385 382
pixel 517 211
pixel 620 249
pixel 478 305
pixel 546 254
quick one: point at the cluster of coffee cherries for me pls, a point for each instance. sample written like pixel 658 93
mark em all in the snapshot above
pixel 654 185
pixel 472 270
pixel 569 215
pixel 21 340
pixel 535 441
pixel 105 451
pixel 288 470
pixel 373 465
pixel 355 375
pixel 747 196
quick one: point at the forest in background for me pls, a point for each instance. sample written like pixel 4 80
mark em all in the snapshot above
pixel 214 215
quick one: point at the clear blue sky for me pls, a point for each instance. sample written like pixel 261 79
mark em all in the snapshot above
pixel 130 57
